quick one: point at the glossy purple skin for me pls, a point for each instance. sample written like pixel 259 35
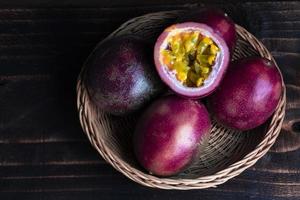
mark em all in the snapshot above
pixel 121 76
pixel 170 133
pixel 218 70
pixel 218 21
pixel 248 95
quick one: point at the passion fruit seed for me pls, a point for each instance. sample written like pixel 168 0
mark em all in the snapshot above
pixel 191 56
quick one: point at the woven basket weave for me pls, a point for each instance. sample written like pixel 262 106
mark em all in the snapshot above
pixel 228 152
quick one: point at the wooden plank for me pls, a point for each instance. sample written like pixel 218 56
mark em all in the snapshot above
pixel 46 49
pixel 106 9
pixel 280 33
pixel 257 14
pixel 242 189
pixel 289 65
pixel 71 13
pixel 94 168
pixel 281 15
pixel 45 65
pixel 51 153
pixel 118 3
pixel 281 25
pixel 272 5
pixel 70 3
pixel 39 108
pixel 267 180
pixel 57 39
pixel 283 44
pixel 132 195
pixel 57 26
pixel 105 3
pixel 57 184
pixel 81 13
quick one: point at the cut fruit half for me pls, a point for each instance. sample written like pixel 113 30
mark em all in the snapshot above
pixel 191 59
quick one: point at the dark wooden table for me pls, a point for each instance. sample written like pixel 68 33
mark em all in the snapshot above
pixel 43 151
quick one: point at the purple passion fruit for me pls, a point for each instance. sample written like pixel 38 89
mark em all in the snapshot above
pixel 191 59
pixel 248 95
pixel 218 21
pixel 170 134
pixel 120 75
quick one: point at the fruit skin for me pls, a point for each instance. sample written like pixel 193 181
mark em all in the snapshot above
pixel 219 21
pixel 120 75
pixel 170 134
pixel 248 95
pixel 218 70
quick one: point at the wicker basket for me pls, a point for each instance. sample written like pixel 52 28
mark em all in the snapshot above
pixel 228 153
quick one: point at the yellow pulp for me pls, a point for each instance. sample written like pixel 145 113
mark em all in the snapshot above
pixel 191 56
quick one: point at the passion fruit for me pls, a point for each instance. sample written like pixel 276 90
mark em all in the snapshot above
pixel 191 59
pixel 248 95
pixel 219 21
pixel 170 134
pixel 121 76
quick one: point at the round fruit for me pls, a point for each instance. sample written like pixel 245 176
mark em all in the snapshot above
pixel 248 95
pixel 170 134
pixel 191 59
pixel 218 21
pixel 120 75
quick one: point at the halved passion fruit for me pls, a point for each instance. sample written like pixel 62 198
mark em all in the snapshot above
pixel 191 59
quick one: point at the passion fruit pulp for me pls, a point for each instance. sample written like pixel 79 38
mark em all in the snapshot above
pixel 191 59
pixel 191 55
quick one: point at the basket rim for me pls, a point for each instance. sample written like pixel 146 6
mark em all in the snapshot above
pixel 184 183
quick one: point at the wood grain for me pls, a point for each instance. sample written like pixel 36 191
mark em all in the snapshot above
pixel 45 155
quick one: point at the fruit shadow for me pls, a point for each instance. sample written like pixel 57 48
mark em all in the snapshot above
pixel 118 136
